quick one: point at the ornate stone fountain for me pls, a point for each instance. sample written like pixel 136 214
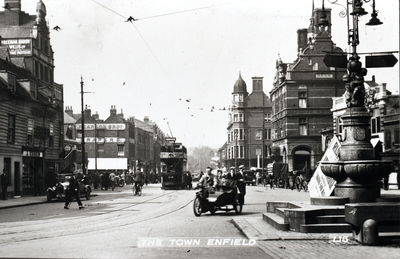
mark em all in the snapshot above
pixel 357 172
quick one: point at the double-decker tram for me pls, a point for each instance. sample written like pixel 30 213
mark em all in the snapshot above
pixel 173 158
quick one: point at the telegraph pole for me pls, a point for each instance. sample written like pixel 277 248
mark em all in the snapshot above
pixel 83 129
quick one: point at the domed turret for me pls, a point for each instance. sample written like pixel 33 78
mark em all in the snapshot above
pixel 240 85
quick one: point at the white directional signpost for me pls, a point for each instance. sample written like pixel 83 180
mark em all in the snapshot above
pixel 321 185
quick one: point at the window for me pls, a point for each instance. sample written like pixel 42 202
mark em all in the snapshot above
pixel 259 134
pixel 121 150
pixel 396 138
pixel 241 152
pixel 303 126
pixel 339 125
pixel 315 66
pixel 241 135
pixel 236 136
pixel 236 117
pixel 267 134
pixel 11 129
pixel 302 99
pixel 241 117
pixel 375 125
pixel 37 71
pixel 51 135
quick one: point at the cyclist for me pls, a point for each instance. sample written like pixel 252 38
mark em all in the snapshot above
pixel 138 178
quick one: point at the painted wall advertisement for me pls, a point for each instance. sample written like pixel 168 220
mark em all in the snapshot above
pixel 321 185
pixel 18 47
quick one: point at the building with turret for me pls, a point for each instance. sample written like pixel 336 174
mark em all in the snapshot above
pixel 246 132
pixel 302 96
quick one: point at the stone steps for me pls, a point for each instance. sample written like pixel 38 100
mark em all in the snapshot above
pixel 326 228
pixel 330 219
pixel 276 221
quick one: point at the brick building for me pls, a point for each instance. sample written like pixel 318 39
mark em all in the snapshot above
pixel 150 139
pixel 113 137
pixel 245 126
pixel 302 97
pixel 31 135
pixel 119 141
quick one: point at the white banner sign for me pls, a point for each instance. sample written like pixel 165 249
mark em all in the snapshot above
pixel 103 140
pixel 107 126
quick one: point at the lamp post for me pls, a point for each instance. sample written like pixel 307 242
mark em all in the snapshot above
pixel 358 172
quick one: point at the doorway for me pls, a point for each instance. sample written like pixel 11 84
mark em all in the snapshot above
pixel 17 179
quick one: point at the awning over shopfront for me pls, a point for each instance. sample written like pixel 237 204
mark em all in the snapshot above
pixel 108 164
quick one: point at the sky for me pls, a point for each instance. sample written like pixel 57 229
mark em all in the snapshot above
pixel 195 56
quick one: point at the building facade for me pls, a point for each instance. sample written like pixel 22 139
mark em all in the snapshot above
pixel 31 137
pixel 249 126
pixel 302 97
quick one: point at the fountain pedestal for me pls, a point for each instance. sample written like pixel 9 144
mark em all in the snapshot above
pixel 357 172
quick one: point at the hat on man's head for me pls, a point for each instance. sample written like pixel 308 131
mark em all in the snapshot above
pixel 241 166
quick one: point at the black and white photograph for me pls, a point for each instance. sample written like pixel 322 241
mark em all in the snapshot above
pixel 199 129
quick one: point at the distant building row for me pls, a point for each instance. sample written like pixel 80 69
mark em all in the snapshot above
pixel 116 142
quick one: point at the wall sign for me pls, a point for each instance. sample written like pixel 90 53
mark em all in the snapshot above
pixel 18 47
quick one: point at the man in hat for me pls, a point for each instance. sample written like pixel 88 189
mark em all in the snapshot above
pixel 4 184
pixel 73 192
pixel 241 184
pixel 206 180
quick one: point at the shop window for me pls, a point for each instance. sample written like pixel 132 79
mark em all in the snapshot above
pixel 388 139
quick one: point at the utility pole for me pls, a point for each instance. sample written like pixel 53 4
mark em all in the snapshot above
pixel 95 146
pixel 83 129
pixel 263 134
pixel 236 150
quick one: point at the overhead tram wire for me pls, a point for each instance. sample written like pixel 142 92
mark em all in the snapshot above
pixel 137 30
pixel 178 12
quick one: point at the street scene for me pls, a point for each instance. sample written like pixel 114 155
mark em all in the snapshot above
pixel 199 129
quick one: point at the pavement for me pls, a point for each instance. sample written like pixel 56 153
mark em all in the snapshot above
pixel 20 201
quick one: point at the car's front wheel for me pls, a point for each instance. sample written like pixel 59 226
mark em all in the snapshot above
pixel 87 194
pixel 49 196
pixel 197 207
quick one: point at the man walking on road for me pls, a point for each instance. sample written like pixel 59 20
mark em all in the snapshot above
pixel 73 192
pixel 138 179
pixel 4 184
pixel 112 180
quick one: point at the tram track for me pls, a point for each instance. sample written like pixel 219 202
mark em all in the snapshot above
pixel 112 223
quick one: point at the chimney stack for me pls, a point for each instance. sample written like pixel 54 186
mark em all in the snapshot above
pixel 301 39
pixel 257 84
pixel 69 111
pixel 146 119
pixel 88 111
pixel 12 11
pixel 113 110
pixel 95 116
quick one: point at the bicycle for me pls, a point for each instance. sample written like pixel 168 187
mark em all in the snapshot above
pixel 137 192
